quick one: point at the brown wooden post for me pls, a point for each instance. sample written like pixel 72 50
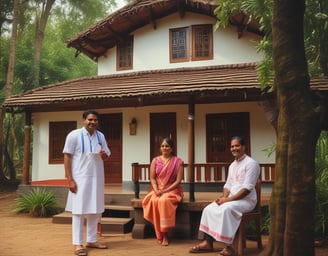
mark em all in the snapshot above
pixel 191 150
pixel 27 136
pixel 135 179
pixel 2 116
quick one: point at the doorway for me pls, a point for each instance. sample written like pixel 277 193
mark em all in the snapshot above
pixel 111 126
pixel 161 125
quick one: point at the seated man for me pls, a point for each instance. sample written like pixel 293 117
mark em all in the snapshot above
pixel 220 220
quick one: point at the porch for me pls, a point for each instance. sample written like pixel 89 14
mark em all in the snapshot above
pixel 124 213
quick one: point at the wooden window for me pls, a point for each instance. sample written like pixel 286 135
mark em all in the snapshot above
pixel 57 135
pixel 219 130
pixel 124 58
pixel 202 42
pixel 179 51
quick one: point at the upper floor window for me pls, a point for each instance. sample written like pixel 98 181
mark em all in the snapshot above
pixel 179 51
pixel 202 42
pixel 124 58
pixel 197 46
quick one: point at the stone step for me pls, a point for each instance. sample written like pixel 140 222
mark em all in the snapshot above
pixel 118 211
pixel 62 218
pixel 108 225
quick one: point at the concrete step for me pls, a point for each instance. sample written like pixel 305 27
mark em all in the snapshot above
pixel 108 225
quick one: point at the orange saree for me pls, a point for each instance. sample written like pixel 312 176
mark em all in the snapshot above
pixel 160 210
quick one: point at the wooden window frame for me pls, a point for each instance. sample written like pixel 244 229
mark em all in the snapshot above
pixel 209 29
pixel 190 47
pixel 122 51
pixel 187 57
pixel 57 136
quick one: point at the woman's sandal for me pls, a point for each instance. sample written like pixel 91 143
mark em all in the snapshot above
pixel 227 251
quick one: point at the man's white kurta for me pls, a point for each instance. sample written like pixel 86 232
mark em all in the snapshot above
pixel 222 221
pixel 87 171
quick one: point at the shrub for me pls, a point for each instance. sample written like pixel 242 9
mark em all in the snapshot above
pixel 37 203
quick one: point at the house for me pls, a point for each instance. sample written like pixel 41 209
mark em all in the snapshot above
pixel 162 71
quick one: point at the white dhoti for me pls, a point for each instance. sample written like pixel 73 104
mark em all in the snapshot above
pixel 222 221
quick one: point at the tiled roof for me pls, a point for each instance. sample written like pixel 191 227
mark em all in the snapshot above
pixel 96 40
pixel 205 84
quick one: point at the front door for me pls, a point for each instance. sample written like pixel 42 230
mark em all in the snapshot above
pixel 219 130
pixel 161 125
pixel 111 126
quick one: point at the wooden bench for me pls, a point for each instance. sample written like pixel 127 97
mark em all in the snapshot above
pixel 188 212
pixel 187 220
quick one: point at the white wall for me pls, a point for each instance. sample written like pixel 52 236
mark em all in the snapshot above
pixel 136 147
pixel 151 47
pixel 41 169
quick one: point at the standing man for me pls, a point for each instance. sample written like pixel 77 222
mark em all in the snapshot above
pixel 84 153
pixel 220 219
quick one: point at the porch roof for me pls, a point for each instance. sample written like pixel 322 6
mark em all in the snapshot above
pixel 225 83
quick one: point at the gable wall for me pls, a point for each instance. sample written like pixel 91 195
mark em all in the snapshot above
pixel 151 47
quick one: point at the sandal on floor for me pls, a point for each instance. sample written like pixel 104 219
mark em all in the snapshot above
pixel 96 245
pixel 227 251
pixel 81 252
pixel 199 249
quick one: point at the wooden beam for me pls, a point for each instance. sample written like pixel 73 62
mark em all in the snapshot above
pixel 181 6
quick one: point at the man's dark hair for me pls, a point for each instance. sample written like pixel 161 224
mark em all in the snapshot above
pixel 239 138
pixel 88 112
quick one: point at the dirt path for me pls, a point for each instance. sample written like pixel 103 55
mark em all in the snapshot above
pixel 21 235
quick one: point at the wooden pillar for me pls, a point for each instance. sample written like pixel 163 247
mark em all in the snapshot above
pixel 27 140
pixel 191 150
pixel 2 116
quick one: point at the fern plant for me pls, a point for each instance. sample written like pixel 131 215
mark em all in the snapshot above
pixel 37 203
pixel 321 207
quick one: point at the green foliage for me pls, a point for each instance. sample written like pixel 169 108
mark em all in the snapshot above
pixel 37 203
pixel 315 33
pixel 270 149
pixel 321 206
pixel 321 200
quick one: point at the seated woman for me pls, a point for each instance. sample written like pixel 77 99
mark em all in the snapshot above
pixel 159 205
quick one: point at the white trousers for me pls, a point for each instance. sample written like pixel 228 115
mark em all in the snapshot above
pixel 78 221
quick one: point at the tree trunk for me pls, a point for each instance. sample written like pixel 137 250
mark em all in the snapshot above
pixel 12 52
pixel 40 26
pixel 9 81
pixel 293 195
pixel 3 177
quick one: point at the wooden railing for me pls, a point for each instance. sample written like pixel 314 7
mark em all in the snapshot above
pixel 203 173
